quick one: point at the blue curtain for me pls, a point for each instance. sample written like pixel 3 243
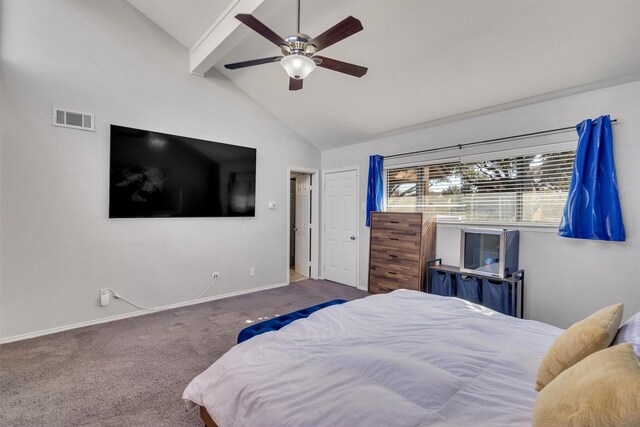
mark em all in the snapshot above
pixel 375 186
pixel 593 209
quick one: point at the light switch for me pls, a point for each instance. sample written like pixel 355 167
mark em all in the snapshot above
pixel 272 205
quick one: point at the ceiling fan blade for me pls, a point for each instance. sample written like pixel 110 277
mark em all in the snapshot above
pixel 341 67
pixel 257 26
pixel 295 84
pixel 347 27
pixel 251 63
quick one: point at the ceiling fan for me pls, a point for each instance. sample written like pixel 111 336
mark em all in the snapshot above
pixel 299 50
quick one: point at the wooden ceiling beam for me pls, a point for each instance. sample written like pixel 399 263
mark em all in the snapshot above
pixel 224 34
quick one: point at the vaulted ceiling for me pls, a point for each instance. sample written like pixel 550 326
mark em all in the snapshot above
pixel 428 60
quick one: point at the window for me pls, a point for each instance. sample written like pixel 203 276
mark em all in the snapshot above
pixel 521 189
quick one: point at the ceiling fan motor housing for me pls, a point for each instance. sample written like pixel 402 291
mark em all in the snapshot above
pixel 298 44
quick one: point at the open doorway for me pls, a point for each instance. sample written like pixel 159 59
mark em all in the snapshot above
pixel 300 227
pixel 302 255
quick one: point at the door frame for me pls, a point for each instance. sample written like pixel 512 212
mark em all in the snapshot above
pixel 355 168
pixel 315 217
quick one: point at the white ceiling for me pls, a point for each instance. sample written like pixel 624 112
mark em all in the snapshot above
pixel 427 59
pixel 184 20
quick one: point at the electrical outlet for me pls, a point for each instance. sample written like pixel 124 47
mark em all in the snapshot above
pixel 215 275
pixel 252 271
pixel 104 297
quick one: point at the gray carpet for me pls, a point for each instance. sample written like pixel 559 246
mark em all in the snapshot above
pixel 132 372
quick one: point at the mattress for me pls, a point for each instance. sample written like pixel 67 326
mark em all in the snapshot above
pixel 406 358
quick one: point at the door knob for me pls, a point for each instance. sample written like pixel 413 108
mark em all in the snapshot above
pixel 353 237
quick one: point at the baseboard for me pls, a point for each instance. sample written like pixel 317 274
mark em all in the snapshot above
pixel 135 314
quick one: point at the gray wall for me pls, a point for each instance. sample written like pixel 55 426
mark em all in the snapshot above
pixel 58 247
pixel 565 279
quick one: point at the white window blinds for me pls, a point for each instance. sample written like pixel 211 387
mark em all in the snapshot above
pixel 528 188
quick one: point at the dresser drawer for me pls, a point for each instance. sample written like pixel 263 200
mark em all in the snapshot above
pixel 395 263
pixel 381 288
pixel 395 272
pixel 402 230
pixel 396 218
pixel 397 245
pixel 392 256
pixel 397 223
pixel 380 284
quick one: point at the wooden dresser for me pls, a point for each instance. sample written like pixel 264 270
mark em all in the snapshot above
pixel 400 245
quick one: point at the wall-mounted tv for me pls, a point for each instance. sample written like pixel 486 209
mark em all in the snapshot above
pixel 155 174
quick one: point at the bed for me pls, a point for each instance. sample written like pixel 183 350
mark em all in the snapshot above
pixel 406 358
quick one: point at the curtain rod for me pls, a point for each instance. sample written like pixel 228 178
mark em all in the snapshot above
pixel 486 141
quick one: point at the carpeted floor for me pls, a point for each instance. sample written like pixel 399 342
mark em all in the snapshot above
pixel 132 372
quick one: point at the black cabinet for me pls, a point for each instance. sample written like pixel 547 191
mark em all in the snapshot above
pixel 502 295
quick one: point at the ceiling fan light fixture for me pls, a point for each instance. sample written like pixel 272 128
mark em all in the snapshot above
pixel 298 66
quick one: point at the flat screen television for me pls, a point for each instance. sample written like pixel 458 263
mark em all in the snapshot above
pixel 155 175
pixel 489 252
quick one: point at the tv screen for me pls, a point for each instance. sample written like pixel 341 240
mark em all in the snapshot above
pixel 481 252
pixel 155 174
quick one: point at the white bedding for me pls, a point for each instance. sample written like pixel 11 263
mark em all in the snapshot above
pixel 402 359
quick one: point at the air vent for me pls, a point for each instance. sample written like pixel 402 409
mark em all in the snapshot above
pixel 73 119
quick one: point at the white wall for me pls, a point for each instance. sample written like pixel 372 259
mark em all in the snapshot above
pixel 566 279
pixel 58 247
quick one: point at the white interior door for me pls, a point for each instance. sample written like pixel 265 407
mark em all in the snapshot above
pixel 303 204
pixel 341 227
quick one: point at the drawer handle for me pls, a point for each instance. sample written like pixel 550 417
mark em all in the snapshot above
pixel 393 256
pixel 395 222
pixel 392 272
pixel 393 238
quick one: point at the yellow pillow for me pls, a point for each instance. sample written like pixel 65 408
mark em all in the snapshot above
pixel 579 341
pixel 601 390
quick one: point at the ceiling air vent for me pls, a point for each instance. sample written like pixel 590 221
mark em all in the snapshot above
pixel 73 119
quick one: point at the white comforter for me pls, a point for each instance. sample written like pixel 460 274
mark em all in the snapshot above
pixel 402 359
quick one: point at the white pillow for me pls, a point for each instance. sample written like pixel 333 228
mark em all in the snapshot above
pixel 629 332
